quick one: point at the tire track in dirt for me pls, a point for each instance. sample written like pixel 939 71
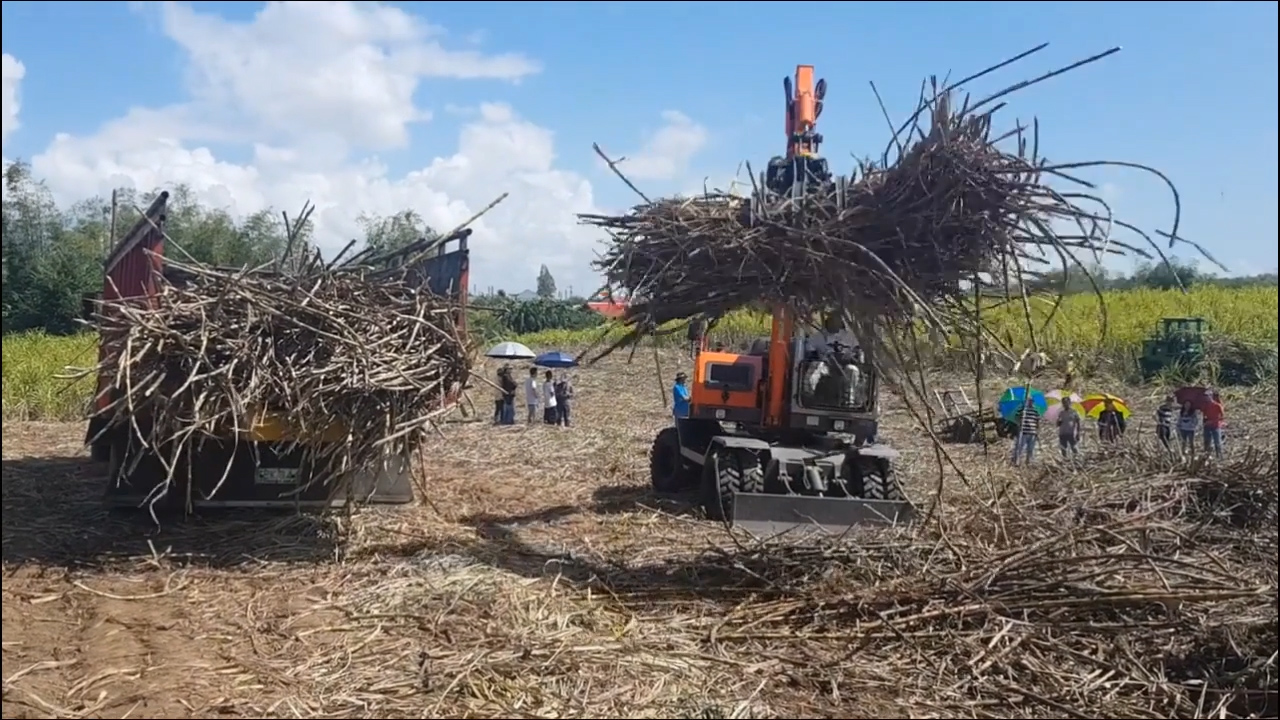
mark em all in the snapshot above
pixel 99 647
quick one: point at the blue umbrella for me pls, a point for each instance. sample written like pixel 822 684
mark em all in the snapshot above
pixel 555 359
pixel 1015 397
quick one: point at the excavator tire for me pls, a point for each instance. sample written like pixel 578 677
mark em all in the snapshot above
pixel 669 472
pixel 878 482
pixel 729 471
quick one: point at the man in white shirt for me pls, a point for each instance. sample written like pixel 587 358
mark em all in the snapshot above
pixel 550 415
pixel 531 394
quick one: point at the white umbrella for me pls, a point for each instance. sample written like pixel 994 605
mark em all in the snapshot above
pixel 1053 399
pixel 510 351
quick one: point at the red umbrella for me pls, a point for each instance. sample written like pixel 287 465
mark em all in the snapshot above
pixel 1194 394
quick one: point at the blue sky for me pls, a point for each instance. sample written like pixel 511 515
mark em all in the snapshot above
pixel 1192 93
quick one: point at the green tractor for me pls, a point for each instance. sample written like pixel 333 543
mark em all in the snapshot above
pixel 1178 343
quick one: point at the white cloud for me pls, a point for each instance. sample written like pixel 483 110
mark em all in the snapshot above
pixel 13 72
pixel 666 153
pixel 301 87
pixel 346 69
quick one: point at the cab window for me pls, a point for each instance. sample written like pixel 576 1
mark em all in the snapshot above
pixel 730 376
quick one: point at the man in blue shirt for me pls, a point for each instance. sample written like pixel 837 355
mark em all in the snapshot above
pixel 680 396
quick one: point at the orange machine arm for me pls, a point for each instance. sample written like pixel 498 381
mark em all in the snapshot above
pixel 779 359
pixel 803 108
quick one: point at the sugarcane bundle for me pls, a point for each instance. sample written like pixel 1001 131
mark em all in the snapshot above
pixel 955 208
pixel 214 351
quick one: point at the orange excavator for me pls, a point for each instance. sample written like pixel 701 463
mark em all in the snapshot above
pixel 784 436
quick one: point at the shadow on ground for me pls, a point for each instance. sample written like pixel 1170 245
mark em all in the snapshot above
pixel 54 516
pixel 499 544
pixel 616 499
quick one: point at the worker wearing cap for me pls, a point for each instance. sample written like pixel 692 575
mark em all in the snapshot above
pixel 680 396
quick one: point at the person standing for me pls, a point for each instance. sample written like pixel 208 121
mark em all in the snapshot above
pixel 564 398
pixel 1028 432
pixel 697 331
pixel 506 378
pixel 498 400
pixel 1110 422
pixel 550 413
pixel 1212 412
pixel 531 399
pixel 680 396
pixel 1188 423
pixel 1166 419
pixel 1069 423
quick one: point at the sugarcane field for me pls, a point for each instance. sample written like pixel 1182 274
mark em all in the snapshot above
pixel 875 437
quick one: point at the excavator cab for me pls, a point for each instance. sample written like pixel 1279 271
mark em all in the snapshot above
pixel 783 437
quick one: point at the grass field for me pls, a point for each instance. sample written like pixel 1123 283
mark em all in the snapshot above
pixel 1243 315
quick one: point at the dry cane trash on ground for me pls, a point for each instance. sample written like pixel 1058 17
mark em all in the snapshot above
pixel 542 579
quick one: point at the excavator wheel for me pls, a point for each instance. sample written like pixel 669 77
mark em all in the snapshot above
pixel 878 482
pixel 729 471
pixel 668 470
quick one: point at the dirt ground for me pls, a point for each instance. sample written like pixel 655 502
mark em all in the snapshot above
pixel 478 602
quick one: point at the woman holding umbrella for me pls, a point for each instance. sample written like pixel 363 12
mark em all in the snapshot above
pixel 506 380
pixel 1207 403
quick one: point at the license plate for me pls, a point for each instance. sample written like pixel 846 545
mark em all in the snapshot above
pixel 276 476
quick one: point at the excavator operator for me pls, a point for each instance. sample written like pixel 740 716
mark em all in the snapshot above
pixel 832 370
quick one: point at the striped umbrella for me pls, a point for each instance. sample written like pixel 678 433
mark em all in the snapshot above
pixel 1054 398
pixel 1095 403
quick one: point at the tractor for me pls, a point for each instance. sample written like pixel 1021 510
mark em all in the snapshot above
pixel 1177 343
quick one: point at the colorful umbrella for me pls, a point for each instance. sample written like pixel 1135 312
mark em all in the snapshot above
pixel 555 359
pixel 1054 398
pixel 1097 402
pixel 1015 397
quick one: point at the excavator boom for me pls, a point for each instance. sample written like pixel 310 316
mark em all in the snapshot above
pixel 802 115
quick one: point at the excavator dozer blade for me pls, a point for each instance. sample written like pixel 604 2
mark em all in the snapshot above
pixel 764 514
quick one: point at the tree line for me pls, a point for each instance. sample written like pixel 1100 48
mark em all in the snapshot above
pixel 53 256
pixel 1154 275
